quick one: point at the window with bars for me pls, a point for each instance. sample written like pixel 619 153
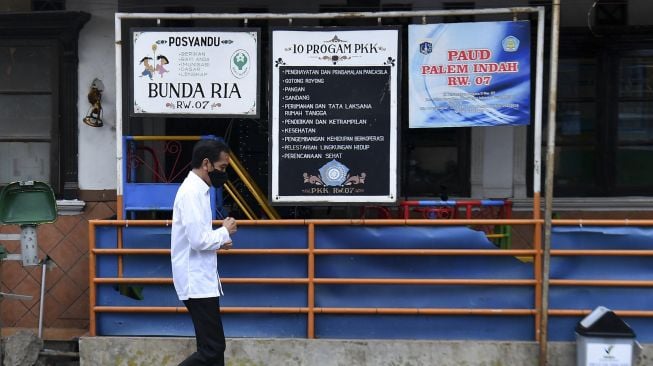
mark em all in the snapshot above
pixel 28 106
pixel 604 118
pixel 38 98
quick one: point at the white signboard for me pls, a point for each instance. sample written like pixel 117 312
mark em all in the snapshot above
pixel 469 74
pixel 334 115
pixel 196 73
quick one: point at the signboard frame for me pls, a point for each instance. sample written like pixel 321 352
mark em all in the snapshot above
pixel 220 30
pixel 474 78
pixel 394 127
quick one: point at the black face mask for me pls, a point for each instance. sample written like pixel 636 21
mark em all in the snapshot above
pixel 218 179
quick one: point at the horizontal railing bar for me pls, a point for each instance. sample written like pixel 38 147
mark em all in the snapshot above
pixel 133 280
pixel 181 309
pixel 141 309
pixel 489 252
pixel 492 252
pixel 387 222
pixel 601 252
pixel 424 281
pixel 341 281
pixel 581 312
pixel 167 281
pixel 336 222
pixel 601 222
pixel 143 251
pixel 323 310
pixel 140 251
pixel 387 311
pixel 264 251
pixel 331 281
pixel 328 15
pixel 128 223
pixel 601 283
pixel 425 311
pixel 420 222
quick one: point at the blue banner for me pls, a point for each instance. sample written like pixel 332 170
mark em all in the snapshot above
pixel 469 74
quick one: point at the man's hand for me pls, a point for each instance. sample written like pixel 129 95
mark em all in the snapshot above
pixel 229 223
pixel 227 245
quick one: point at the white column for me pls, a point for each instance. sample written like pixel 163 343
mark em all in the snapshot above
pixel 477 157
pixel 519 161
pixel 497 162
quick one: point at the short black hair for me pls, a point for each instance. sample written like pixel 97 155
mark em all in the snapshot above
pixel 207 149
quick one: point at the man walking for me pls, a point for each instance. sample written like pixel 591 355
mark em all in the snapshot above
pixel 193 246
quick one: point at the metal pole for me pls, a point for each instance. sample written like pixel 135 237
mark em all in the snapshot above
pixel 41 301
pixel 119 152
pixel 338 15
pixel 91 278
pixel 311 281
pixel 550 161
pixel 537 158
pixel 537 128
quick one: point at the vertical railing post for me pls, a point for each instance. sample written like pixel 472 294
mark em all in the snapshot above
pixel 120 246
pixel 550 170
pixel 311 283
pixel 537 263
pixel 537 165
pixel 91 277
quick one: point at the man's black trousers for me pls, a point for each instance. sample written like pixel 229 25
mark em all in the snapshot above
pixel 208 332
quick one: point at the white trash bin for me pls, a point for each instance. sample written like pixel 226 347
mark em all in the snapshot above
pixel 604 339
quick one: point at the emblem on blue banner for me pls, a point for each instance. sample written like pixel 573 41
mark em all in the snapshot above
pixel 426 47
pixel 510 44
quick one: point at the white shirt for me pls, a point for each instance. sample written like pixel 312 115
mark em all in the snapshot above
pixel 194 242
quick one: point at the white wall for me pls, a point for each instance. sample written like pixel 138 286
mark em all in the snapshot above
pixel 97 164
pixel 497 171
pixel 97 146
pixel 498 162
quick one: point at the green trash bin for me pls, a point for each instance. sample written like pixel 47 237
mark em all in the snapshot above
pixel 28 204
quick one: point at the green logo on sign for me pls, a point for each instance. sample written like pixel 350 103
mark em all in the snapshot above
pixel 240 63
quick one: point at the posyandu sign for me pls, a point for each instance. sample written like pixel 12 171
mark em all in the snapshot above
pixel 200 73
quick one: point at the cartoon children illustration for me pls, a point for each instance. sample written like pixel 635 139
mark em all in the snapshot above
pixel 162 61
pixel 149 69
